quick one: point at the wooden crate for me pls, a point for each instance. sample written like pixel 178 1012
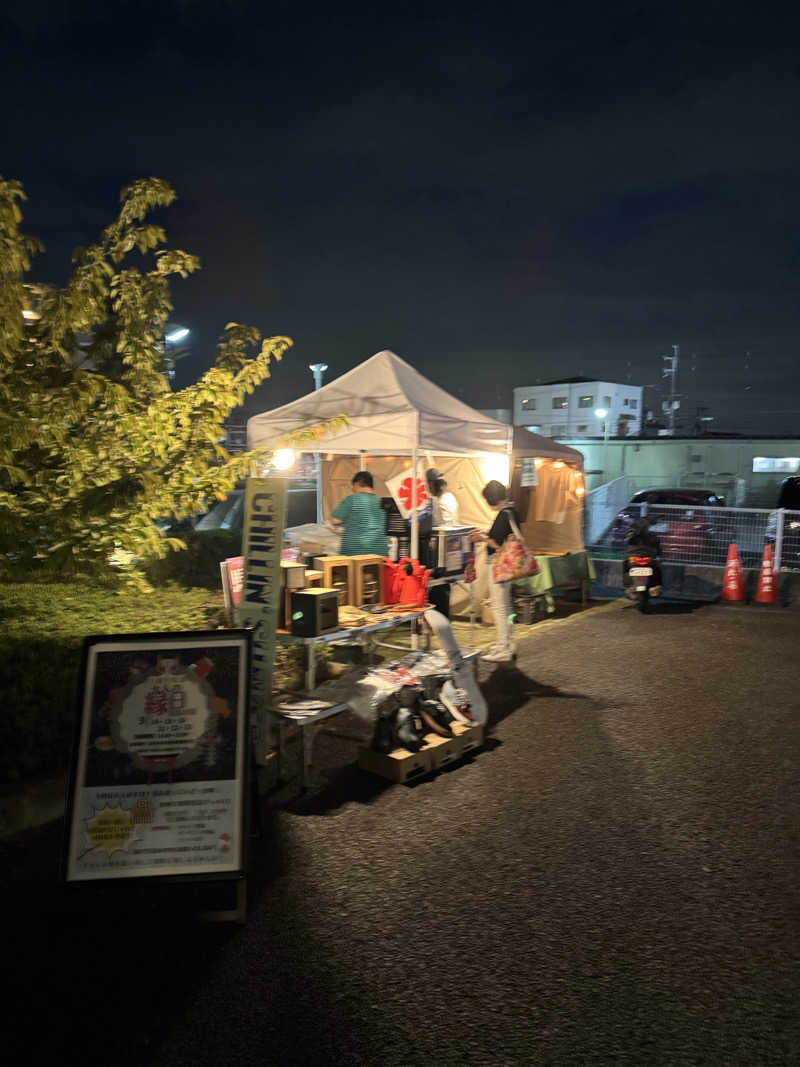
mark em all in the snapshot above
pixel 314 579
pixel 367 574
pixel 337 573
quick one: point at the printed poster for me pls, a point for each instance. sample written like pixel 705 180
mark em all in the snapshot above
pixel 159 775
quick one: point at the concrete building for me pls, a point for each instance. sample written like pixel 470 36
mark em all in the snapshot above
pixel 748 472
pixel 566 408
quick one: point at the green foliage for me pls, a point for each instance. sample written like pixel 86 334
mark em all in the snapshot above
pixel 94 450
pixel 42 626
pixel 198 566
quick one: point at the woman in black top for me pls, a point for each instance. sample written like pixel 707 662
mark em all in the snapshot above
pixel 496 496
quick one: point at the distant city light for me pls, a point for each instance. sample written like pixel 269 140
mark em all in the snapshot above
pixel 177 335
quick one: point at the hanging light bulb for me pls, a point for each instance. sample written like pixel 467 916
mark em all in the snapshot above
pixel 283 459
pixel 559 463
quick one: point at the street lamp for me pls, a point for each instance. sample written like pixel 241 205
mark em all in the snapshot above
pixel 318 369
pixel 603 413
pixel 174 337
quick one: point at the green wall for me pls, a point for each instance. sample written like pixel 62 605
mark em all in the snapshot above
pixel 724 465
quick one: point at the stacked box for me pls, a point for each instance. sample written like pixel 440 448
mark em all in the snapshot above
pixel 337 573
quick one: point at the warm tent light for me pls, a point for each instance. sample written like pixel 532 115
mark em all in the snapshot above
pixel 283 459
pixel 558 464
pixel 495 468
pixel 537 463
pixel 580 490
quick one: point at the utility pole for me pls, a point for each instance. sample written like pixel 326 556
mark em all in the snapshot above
pixel 671 371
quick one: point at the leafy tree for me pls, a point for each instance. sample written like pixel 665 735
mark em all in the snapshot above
pixel 94 449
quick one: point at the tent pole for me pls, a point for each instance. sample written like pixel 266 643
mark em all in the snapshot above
pixel 362 461
pixel 318 473
pixel 414 515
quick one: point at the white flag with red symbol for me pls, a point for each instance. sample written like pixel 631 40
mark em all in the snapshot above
pixel 402 487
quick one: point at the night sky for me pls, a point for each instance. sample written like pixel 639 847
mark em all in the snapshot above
pixel 500 194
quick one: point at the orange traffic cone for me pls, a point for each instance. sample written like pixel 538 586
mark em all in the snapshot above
pixel 733 582
pixel 767 590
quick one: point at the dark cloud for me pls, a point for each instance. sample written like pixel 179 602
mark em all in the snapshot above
pixel 499 194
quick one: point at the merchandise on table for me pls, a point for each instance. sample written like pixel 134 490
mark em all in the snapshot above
pixel 314 612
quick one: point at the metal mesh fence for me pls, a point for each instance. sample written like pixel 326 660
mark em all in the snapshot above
pixel 702 535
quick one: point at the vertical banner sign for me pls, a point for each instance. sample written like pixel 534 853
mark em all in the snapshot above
pixel 158 785
pixel 529 475
pixel 264 520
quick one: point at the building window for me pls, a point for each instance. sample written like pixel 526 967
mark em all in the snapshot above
pixel 534 429
pixel 558 431
pixel 529 403
pixel 634 404
pixel 560 401
pixel 625 402
pixel 586 402
pixel 775 464
pixel 583 428
pixel 607 403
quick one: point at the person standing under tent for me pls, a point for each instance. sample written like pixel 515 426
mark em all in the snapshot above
pixel 496 496
pixel 444 512
pixel 444 504
pixel 363 519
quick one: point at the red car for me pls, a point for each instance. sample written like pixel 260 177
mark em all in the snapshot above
pixel 687 532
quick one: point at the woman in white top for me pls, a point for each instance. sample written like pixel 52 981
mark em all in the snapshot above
pixel 444 504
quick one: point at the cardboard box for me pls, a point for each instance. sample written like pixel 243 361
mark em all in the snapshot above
pixel 400 765
pixel 293 575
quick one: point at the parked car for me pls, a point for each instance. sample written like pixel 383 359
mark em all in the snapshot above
pixel 686 532
pixel 788 499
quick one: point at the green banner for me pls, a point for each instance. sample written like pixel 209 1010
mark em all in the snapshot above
pixel 264 521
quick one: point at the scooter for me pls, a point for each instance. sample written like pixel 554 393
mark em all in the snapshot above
pixel 642 578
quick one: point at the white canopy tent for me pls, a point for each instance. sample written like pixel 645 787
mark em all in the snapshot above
pixel 392 410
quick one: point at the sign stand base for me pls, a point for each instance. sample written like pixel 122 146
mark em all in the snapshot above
pixel 237 914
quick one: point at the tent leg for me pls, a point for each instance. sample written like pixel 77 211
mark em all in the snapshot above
pixel 318 472
pixel 414 515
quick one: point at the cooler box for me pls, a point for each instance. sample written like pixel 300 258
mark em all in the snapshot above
pixel 449 548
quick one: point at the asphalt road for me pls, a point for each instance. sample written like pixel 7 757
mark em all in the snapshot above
pixel 613 879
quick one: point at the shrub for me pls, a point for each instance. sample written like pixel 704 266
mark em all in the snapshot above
pixel 198 565
pixel 42 626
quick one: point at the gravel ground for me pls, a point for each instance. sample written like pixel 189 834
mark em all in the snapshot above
pixel 613 879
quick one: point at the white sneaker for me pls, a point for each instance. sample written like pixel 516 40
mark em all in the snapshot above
pixel 499 656
pixel 457 703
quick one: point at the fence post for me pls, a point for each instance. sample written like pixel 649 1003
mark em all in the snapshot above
pixel 776 566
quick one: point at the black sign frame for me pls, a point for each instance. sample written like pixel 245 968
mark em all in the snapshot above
pixel 202 641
